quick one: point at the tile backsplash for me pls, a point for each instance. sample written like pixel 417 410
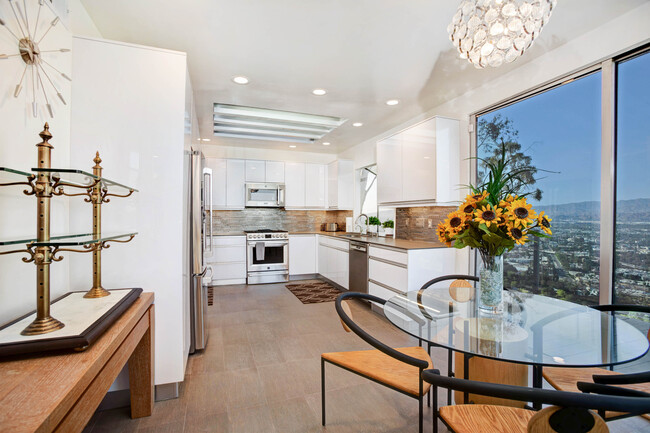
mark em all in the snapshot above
pixel 276 219
pixel 420 223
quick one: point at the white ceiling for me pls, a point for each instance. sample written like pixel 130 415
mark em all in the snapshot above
pixel 363 52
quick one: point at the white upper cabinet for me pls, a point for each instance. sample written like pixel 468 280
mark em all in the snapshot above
pixel 219 181
pixel 315 185
pixel 420 164
pixel 255 171
pixel 294 178
pixel 275 171
pixel 340 185
pixel 389 170
pixel 235 183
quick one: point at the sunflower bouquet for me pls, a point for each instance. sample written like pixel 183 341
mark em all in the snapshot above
pixel 495 218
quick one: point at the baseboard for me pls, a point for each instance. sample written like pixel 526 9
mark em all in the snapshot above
pixel 304 277
pixel 341 288
pixel 228 282
pixel 167 391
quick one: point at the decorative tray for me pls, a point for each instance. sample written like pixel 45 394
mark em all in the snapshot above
pixel 85 321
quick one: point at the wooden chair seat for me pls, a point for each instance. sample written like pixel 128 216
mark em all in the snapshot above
pixel 566 379
pixel 383 368
pixel 475 418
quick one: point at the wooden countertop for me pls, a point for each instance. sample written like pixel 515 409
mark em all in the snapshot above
pixel 37 392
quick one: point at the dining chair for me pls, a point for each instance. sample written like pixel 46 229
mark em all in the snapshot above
pixel 398 369
pixel 570 411
pixel 592 379
pixel 481 369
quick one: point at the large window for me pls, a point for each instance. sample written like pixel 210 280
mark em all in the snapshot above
pixel 632 258
pixel 557 131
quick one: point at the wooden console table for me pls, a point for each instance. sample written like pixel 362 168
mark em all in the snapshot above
pixel 59 392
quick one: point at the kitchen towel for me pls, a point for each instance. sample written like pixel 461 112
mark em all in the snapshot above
pixel 259 250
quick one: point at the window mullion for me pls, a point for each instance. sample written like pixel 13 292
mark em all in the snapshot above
pixel 608 181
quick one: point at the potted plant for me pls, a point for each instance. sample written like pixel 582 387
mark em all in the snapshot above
pixel 494 218
pixel 389 227
pixel 373 224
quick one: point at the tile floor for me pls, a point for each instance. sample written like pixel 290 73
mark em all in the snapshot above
pixel 261 373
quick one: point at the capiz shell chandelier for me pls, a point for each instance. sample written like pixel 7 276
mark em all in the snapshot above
pixel 490 32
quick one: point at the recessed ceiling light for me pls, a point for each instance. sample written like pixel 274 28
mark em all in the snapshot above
pixel 319 92
pixel 392 102
pixel 293 146
pixel 205 139
pixel 427 157
pixel 327 143
pixel 240 79
pixel 198 139
pixel 357 124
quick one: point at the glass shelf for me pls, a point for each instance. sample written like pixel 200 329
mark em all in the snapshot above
pixel 70 240
pixel 78 178
pixel 10 175
pixel 117 188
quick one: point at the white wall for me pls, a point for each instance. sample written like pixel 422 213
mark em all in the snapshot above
pixel 624 32
pixel 129 104
pixel 80 22
pixel 18 135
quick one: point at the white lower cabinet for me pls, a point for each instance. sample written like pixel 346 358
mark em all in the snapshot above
pixel 302 254
pixel 228 260
pixel 333 260
pixel 393 271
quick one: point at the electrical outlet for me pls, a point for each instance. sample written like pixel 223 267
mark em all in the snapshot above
pixel 430 223
pixel 419 222
pixel 406 222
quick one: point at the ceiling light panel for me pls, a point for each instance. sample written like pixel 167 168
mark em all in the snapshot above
pixel 264 124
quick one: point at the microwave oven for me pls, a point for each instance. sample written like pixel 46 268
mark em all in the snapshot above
pixel 265 195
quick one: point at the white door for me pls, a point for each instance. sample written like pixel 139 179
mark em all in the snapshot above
pixel 302 254
pixel 389 170
pixel 219 177
pixel 275 171
pixel 345 180
pixel 294 177
pixel 255 171
pixel 315 186
pixel 419 162
pixel 332 185
pixel 235 183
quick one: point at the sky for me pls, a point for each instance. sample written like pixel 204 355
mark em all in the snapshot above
pixel 560 130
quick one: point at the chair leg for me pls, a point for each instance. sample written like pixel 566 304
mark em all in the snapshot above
pixel 450 373
pixel 322 387
pixel 434 390
pixel 421 401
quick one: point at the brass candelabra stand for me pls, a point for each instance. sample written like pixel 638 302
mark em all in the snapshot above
pixel 44 250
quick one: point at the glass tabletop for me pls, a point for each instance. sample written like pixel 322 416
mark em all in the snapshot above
pixel 69 239
pixel 80 178
pixel 532 329
pixel 11 175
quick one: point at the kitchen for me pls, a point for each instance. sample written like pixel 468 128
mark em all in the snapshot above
pixel 248 162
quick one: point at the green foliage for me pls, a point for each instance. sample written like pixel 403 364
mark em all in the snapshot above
pixel 389 224
pixel 374 221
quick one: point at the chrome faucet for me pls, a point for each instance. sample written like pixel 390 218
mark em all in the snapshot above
pixel 364 229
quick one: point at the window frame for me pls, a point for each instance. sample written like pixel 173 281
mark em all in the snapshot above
pixel 608 68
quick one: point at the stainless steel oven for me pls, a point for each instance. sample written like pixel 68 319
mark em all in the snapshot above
pixel 265 195
pixel 267 256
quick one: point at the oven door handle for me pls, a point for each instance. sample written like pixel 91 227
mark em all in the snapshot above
pixel 268 243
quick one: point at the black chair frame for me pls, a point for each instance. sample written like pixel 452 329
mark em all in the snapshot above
pixel 450 370
pixel 635 405
pixel 415 362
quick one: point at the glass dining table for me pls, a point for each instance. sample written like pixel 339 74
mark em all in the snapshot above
pixel 532 329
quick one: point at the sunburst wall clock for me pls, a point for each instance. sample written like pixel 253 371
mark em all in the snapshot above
pixel 29 33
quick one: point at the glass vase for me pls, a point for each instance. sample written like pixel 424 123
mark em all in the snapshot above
pixel 491 283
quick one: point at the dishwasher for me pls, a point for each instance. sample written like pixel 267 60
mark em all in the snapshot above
pixel 358 267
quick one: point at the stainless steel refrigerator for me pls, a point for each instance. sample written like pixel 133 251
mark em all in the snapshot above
pixel 199 227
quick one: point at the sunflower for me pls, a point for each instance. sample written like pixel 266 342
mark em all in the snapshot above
pixel 443 235
pixel 521 213
pixel 467 209
pixel 488 215
pixel 517 235
pixel 455 222
pixel 476 198
pixel 544 221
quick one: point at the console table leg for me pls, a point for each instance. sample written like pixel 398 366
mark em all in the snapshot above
pixel 141 369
